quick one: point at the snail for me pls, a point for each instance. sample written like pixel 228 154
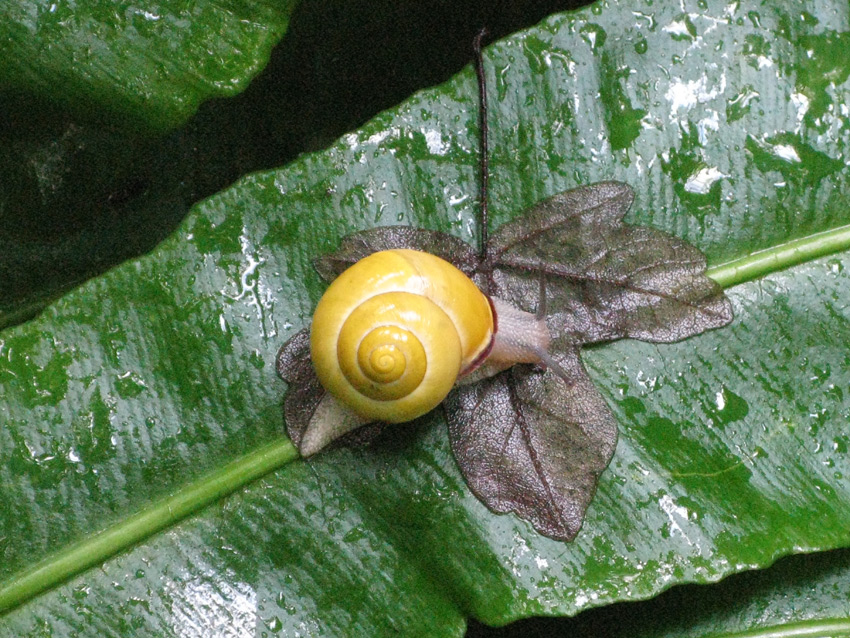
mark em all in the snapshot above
pixel 396 331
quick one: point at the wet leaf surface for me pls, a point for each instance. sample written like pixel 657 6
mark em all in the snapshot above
pixel 732 444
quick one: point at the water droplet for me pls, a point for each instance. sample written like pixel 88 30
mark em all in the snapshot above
pixel 275 625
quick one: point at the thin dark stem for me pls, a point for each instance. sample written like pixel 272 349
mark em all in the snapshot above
pixel 541 299
pixel 482 115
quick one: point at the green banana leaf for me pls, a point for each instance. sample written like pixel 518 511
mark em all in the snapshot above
pixel 147 394
pixel 180 53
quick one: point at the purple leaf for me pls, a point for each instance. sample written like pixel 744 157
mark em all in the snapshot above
pixel 528 443
pixel 604 279
pixel 305 392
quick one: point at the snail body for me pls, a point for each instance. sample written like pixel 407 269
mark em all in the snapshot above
pixel 396 331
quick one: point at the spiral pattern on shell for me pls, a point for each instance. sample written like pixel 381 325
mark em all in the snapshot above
pixel 393 332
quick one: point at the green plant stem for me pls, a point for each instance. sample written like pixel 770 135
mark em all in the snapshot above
pixel 777 258
pixel 159 515
pixel 821 628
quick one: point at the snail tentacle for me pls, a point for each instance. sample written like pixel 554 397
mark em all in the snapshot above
pixel 548 361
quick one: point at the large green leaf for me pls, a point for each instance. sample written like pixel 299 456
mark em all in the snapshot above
pixel 152 62
pixel 137 390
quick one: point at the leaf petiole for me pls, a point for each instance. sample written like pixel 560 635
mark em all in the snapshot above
pixel 776 258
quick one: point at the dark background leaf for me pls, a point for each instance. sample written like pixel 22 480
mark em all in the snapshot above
pixel 807 588
pixel 144 65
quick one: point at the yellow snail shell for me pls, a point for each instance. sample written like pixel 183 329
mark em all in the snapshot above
pixel 394 331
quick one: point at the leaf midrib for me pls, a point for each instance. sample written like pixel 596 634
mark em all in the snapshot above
pixel 192 498
pixel 157 516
